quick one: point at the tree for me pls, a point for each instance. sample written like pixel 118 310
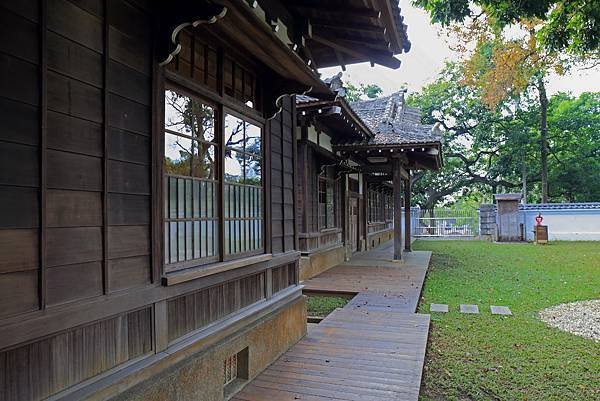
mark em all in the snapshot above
pixel 505 65
pixel 574 147
pixel 474 141
pixel 571 26
pixel 355 93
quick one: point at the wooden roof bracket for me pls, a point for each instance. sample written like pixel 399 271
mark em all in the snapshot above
pixel 175 16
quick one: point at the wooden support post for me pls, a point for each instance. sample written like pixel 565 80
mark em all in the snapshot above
pixel 407 228
pixel 397 180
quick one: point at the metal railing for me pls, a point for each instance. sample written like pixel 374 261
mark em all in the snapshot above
pixel 443 222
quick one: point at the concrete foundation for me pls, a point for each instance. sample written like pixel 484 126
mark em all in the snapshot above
pixel 378 238
pixel 316 263
pixel 201 375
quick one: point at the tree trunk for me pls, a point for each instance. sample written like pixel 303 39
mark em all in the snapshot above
pixel 524 177
pixel 543 137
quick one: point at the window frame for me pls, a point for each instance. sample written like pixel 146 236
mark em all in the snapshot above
pixel 222 106
pixel 334 192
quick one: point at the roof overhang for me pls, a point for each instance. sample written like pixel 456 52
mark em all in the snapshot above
pixel 242 24
pixel 327 34
pixel 377 158
pixel 336 114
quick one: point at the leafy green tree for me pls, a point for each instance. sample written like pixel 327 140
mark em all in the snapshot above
pixel 567 25
pixel 355 93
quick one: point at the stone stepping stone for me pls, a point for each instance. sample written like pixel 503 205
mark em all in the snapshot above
pixel 500 310
pixel 465 308
pixel 441 308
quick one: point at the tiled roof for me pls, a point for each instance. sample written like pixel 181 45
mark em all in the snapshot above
pixel 305 99
pixel 560 206
pixel 393 122
pixel 405 133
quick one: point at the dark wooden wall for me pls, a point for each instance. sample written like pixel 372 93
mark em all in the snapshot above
pixel 282 150
pixel 78 293
pixel 308 169
pixel 75 180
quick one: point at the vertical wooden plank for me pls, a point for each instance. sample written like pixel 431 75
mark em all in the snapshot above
pixel 105 137
pixel 161 327
pixel 266 207
pixel 407 228
pixel 295 170
pixel 157 150
pixel 397 182
pixel 43 141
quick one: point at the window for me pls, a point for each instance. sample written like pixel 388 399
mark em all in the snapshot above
pixel 192 184
pixel 191 180
pixel 327 203
pixel 243 186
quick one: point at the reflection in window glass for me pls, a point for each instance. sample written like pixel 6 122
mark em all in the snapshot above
pixel 252 170
pixel 234 132
pixel 243 175
pixel 253 139
pixel 234 166
pixel 191 178
pixel 187 116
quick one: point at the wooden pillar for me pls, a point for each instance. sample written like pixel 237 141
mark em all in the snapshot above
pixel 397 181
pixel 407 227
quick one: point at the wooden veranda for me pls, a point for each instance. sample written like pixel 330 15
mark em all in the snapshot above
pixel 372 349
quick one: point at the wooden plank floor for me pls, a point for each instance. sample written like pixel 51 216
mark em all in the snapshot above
pixel 373 349
pixel 356 355
pixel 398 284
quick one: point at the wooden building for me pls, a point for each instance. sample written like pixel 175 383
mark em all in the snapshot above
pixel 347 156
pixel 400 144
pixel 149 246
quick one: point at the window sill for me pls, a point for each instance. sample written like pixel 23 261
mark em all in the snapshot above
pixel 207 270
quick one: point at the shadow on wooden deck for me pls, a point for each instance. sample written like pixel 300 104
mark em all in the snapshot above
pixel 372 349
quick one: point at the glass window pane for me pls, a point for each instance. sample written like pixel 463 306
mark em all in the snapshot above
pixel 188 198
pixel 178 116
pixel 210 202
pixel 188 116
pixel 203 243
pixel 180 198
pixel 253 170
pixel 197 239
pixel 178 155
pixel 253 139
pixel 204 121
pixel 234 165
pixel 188 240
pixel 203 199
pixel 173 242
pixel 204 163
pixel 172 198
pixel 181 241
pixel 196 200
pixel 167 244
pixel 234 132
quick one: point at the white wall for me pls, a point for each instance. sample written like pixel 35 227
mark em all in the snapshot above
pixel 565 224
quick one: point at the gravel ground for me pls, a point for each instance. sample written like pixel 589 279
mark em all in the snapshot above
pixel 580 318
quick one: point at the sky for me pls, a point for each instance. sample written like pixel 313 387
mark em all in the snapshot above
pixel 426 58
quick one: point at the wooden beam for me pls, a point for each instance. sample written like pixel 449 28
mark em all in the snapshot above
pixel 379 58
pixel 345 27
pixel 397 179
pixel 346 13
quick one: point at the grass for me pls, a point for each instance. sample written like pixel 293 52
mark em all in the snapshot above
pixel 486 357
pixel 323 306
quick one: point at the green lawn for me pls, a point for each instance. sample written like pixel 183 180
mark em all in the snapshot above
pixel 323 306
pixel 485 357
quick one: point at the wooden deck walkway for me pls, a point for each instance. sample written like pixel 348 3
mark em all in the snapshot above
pixel 373 349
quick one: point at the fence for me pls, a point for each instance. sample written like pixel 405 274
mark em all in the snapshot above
pixel 442 222
pixel 565 221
